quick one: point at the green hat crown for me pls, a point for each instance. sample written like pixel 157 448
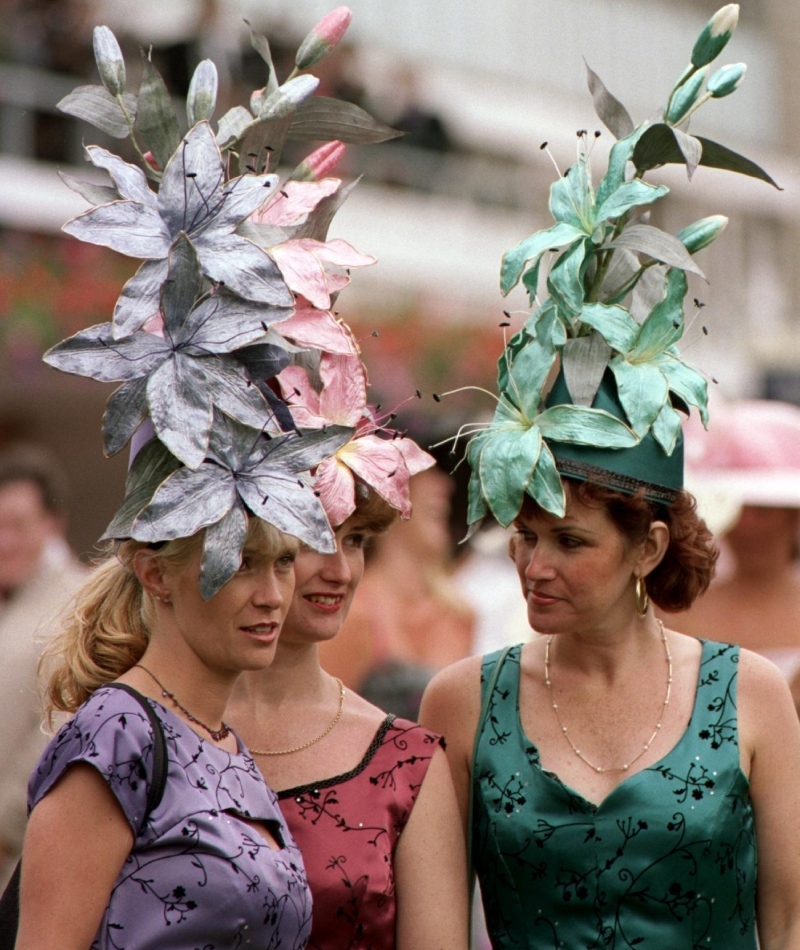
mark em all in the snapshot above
pixel 608 327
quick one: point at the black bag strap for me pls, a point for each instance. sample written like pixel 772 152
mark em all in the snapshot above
pixel 156 791
pixel 9 902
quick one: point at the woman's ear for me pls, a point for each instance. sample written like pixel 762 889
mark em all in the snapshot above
pixel 512 547
pixel 149 569
pixel 653 549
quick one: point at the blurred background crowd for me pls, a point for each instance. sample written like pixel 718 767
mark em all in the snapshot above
pixel 477 88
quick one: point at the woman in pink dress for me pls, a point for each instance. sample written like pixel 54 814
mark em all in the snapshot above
pixel 368 796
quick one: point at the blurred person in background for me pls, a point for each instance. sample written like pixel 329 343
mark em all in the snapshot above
pixel 746 474
pixel 410 618
pixel 38 573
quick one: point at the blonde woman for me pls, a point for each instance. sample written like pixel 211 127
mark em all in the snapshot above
pixel 213 864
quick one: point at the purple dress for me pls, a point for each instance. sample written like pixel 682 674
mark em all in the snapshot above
pixel 199 876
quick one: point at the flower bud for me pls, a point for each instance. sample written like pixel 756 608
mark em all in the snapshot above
pixel 110 63
pixel 323 37
pixel 287 97
pixel 686 95
pixel 151 161
pixel 319 163
pixel 726 80
pixel 202 96
pixel 715 35
pixel 701 233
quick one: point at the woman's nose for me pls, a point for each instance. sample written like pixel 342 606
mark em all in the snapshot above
pixel 336 567
pixel 540 565
pixel 268 591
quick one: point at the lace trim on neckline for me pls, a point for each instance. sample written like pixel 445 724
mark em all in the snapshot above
pixel 376 743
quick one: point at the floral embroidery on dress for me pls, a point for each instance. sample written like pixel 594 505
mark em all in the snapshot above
pixel 348 827
pixel 200 873
pixel 666 860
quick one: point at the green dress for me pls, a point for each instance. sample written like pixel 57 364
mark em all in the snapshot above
pixel 667 861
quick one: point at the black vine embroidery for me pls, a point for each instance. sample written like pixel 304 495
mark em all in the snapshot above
pixel 194 843
pixel 668 859
pixel 348 827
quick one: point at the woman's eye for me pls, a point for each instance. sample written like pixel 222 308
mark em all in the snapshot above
pixel 355 540
pixel 568 541
pixel 245 565
pixel 526 537
pixel 286 561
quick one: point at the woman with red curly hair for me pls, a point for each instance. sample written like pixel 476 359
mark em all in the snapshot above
pixel 614 774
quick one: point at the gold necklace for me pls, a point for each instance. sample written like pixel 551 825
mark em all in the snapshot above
pixel 310 742
pixel 216 734
pixel 646 746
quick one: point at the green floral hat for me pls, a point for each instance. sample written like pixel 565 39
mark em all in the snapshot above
pixel 608 330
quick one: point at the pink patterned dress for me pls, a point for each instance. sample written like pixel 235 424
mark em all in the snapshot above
pixel 347 828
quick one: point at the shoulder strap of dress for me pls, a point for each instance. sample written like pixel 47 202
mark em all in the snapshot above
pixel 156 791
pixel 486 700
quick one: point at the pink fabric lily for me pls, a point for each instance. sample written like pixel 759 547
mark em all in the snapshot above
pixel 385 464
pixel 311 268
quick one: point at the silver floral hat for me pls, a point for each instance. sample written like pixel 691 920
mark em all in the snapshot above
pixel 195 338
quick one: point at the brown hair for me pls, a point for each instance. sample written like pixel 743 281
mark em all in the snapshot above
pixel 373 512
pixel 35 464
pixel 687 568
pixel 109 625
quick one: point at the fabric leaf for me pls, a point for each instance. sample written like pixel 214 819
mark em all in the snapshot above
pixel 96 105
pixel 156 119
pixel 585 427
pixel 323 119
pixel 151 467
pixel 584 362
pixel 546 487
pixel 126 409
pixel 528 252
pixel 222 550
pixel 611 112
pixel 657 244
pixel 613 323
pixel 506 467
pixel 642 390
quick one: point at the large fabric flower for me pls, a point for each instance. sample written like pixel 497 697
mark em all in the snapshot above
pixel 312 267
pixel 385 464
pixel 178 377
pixel 244 473
pixel 195 199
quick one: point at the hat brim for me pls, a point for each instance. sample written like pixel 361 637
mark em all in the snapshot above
pixel 721 495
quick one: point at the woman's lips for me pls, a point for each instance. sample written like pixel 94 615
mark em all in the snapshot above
pixel 540 599
pixel 263 632
pixel 326 603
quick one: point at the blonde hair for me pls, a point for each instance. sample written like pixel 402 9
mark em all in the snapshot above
pixel 112 618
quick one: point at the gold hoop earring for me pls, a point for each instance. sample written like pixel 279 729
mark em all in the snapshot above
pixel 642 597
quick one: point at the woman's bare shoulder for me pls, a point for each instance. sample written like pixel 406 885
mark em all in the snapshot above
pixel 759 674
pixel 455 678
pixel 451 704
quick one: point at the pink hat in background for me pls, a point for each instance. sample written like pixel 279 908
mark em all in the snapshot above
pixel 749 456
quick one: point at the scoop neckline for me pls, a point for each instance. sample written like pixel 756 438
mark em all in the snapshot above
pixel 242 748
pixel 369 755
